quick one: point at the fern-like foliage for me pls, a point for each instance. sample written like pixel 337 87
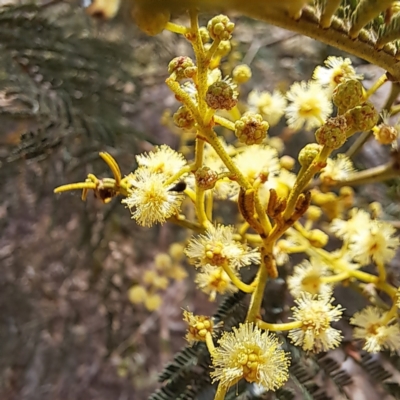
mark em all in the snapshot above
pixel 60 80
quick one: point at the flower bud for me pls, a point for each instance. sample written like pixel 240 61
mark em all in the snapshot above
pixel 318 238
pixel 287 162
pixel 313 213
pixel 347 95
pixel 385 134
pixel 346 195
pixel 221 95
pixel 251 129
pixel 361 118
pixel 220 27
pixel 206 178
pixel 149 20
pixel 241 74
pixel 137 294
pixel 176 251
pixel 183 68
pixel 308 154
pixel 183 118
pixel 204 35
pixel 153 302
pixel 163 261
pixel 223 49
pixel 333 133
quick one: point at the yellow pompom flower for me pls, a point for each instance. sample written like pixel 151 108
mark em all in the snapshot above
pixel 336 71
pixel 149 200
pixel 249 353
pixel 310 105
pixel 213 280
pixel 218 248
pixel 307 278
pixel 162 160
pixel 377 333
pixel 316 314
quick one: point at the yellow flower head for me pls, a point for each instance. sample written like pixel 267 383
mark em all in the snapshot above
pixel 213 280
pixel 150 201
pixel 248 352
pixel 336 170
pixel 257 159
pixel 217 248
pixel 336 71
pixel 375 241
pixel 307 278
pixel 310 105
pixel 270 105
pixel 162 160
pixel 377 333
pixel 316 314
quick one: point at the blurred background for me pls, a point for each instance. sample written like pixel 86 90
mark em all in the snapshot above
pixel 70 87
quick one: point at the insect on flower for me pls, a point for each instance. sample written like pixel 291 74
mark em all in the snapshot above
pixel 178 187
pixel 104 189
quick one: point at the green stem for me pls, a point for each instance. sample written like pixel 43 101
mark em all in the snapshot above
pixel 236 281
pixel 303 180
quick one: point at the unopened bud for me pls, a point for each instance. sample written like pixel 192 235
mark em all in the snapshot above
pixel 241 74
pixel 221 95
pixel 347 95
pixel 220 27
pixel 308 154
pixel 318 238
pixel 361 118
pixel 183 118
pixel 251 129
pixel 223 49
pixel 183 68
pixel 204 35
pixel 287 162
pixel 385 134
pixel 206 178
pixel 333 133
pixel 313 213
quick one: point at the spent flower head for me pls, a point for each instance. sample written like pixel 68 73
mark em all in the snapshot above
pixel 218 248
pixel 373 327
pixel 309 105
pixel 149 200
pixel 249 353
pixel 316 313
